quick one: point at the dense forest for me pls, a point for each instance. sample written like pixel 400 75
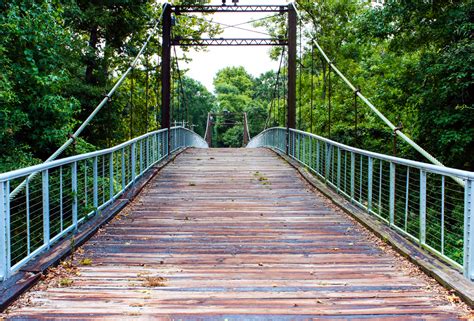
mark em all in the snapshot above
pixel 58 59
pixel 412 59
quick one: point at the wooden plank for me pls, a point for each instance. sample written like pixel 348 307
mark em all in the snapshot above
pixel 29 274
pixel 235 234
pixel 447 275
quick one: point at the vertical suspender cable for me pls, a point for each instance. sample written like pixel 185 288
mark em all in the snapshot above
pixel 329 101
pixel 184 111
pixel 300 125
pixel 278 103
pixel 172 102
pixel 276 92
pixel 146 91
pixel 356 120
pixel 157 99
pixel 312 87
pixel 109 114
pixel 178 98
pixel 285 99
pixel 131 104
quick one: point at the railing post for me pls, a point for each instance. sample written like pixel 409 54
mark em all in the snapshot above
pixel 74 194
pixel 153 148
pixel 392 194
pixel 5 254
pixel 123 169
pixel 141 156
pixel 298 141
pixel 442 211
pixel 338 179
pixel 422 206
pixel 156 150
pixel 61 211
pixel 407 198
pixel 158 146
pixel 380 186
pixel 293 139
pixel 134 164
pixel 95 187
pixel 111 175
pixel 45 199
pixel 369 183
pixel 469 230
pixel 28 221
pixel 318 156
pixel 304 149
pixel 352 175
pixel 326 171
pixel 147 153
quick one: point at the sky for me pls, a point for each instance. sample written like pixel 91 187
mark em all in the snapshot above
pixel 255 59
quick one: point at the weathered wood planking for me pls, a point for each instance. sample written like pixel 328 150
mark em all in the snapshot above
pixel 237 235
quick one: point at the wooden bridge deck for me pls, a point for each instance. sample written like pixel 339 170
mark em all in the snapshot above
pixel 235 234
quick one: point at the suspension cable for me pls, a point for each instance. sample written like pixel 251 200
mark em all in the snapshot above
pixel 329 101
pixel 275 88
pixel 72 138
pixel 356 120
pixel 285 92
pixel 299 86
pixel 178 98
pixel 131 104
pixel 146 90
pixel 180 87
pixel 312 87
pixel 395 129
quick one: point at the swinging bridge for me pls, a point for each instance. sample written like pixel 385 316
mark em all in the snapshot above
pixel 169 228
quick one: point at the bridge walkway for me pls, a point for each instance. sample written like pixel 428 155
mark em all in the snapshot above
pixel 233 234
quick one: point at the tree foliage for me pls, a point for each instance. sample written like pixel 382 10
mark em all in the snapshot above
pixel 412 59
pixel 238 92
pixel 36 113
pixel 58 60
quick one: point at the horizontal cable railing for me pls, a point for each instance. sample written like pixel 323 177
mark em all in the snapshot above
pixel 424 202
pixel 69 191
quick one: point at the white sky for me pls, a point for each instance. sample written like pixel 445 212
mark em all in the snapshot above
pixel 255 59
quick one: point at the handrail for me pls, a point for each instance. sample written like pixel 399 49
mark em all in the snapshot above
pixel 416 199
pixel 402 161
pixel 59 162
pixel 72 189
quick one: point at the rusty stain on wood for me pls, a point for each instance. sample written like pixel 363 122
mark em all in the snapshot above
pixel 235 234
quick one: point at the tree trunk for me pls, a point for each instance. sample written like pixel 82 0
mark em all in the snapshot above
pixel 91 57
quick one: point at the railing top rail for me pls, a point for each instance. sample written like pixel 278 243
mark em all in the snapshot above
pixel 424 166
pixel 59 162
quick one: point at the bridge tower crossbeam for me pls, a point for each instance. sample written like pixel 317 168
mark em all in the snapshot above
pixel 168 42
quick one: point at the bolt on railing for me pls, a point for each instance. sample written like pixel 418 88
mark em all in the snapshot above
pixel 71 190
pixel 423 202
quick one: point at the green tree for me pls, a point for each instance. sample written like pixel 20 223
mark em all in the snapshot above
pixel 199 103
pixel 37 54
pixel 436 85
pixel 234 90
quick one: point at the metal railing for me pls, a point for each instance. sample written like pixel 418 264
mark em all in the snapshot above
pixel 69 191
pixel 424 202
